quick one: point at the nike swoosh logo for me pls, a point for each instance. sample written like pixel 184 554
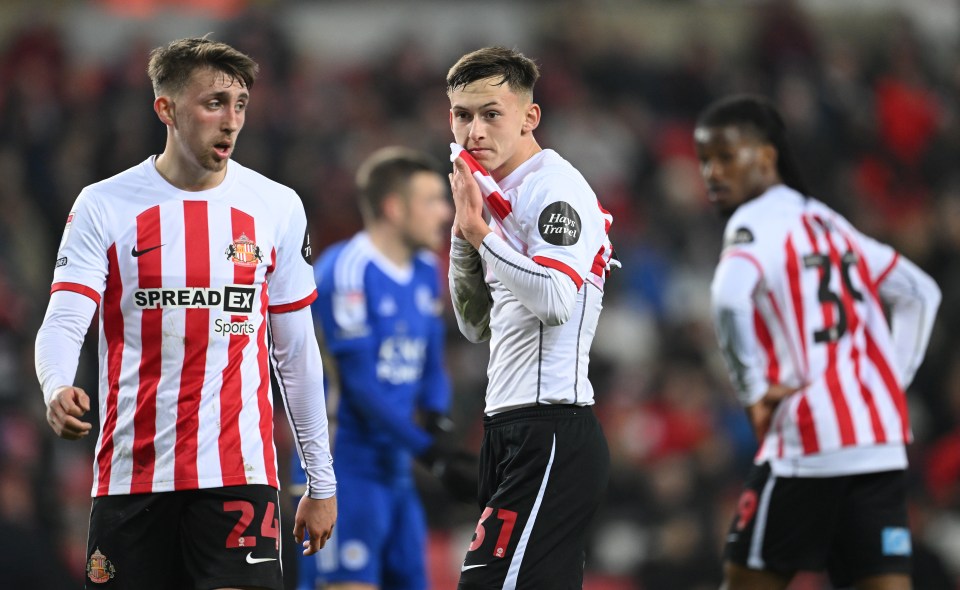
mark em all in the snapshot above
pixel 137 253
pixel 251 559
pixel 470 567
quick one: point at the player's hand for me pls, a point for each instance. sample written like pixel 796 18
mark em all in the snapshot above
pixel 468 201
pixel 761 413
pixel 317 518
pixel 64 411
pixel 457 233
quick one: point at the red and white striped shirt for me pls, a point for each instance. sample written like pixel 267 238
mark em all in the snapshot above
pixel 184 282
pixel 797 301
pixel 554 222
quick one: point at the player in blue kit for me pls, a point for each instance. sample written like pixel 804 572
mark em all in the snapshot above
pixel 378 308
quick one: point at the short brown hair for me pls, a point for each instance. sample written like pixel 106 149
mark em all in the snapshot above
pixel 514 69
pixel 389 170
pixel 171 66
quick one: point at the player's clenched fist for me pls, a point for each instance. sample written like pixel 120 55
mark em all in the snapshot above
pixel 64 411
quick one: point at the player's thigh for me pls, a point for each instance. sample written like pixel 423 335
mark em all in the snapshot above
pixel 133 543
pixel 784 525
pixel 404 553
pixel 354 552
pixel 533 528
pixel 231 537
pixel 873 536
pixel 569 498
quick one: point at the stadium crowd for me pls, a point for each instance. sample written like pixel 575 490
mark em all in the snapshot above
pixel 876 124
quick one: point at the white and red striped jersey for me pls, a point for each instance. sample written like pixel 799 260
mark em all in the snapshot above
pixel 797 301
pixel 555 221
pixel 184 282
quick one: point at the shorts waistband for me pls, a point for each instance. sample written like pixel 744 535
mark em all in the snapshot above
pixel 543 412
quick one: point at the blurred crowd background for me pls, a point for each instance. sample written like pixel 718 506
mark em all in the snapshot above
pixel 870 93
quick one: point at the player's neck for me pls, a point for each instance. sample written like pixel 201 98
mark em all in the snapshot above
pixel 525 151
pixel 391 245
pixel 187 175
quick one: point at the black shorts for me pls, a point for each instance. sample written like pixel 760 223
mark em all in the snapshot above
pixel 543 473
pixel 851 526
pixel 194 539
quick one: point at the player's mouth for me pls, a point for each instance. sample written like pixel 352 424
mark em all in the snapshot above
pixel 223 149
pixel 716 193
pixel 478 152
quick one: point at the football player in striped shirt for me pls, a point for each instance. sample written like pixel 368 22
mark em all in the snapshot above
pixel 536 296
pixel 190 260
pixel 379 314
pixel 800 301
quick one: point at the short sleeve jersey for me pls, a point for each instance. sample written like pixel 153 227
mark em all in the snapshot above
pixel 819 323
pixel 185 282
pixel 562 227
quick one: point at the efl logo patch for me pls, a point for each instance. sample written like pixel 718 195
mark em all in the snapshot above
pixel 244 252
pixel 62 261
pixel 895 540
pixel 559 224
pixel 350 313
pixel 741 236
pixel 99 568
pixel 66 229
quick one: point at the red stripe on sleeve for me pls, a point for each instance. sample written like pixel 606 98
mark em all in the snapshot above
pixel 77 288
pixel 113 335
pixel 746 256
pixel 197 330
pixel 294 306
pixel 150 276
pixel 888 270
pixel 557 265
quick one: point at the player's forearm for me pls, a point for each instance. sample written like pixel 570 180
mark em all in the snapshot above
pixel 913 297
pixel 365 395
pixel 468 291
pixel 59 339
pixel 300 376
pixel 733 312
pixel 547 293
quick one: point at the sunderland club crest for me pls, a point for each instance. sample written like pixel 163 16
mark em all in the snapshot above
pixel 99 568
pixel 243 252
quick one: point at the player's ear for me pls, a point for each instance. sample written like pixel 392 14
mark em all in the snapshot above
pixel 392 207
pixel 164 108
pixel 531 118
pixel 769 155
